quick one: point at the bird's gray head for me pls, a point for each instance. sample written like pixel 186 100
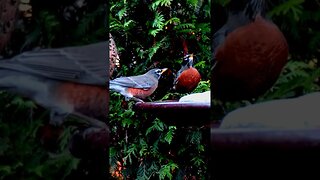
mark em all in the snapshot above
pixel 187 60
pixel 156 72
pixel 250 8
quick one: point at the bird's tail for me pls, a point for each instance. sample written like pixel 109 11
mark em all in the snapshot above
pixel 113 86
pixel 6 82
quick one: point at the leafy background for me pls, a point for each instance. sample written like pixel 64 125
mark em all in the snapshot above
pixel 148 34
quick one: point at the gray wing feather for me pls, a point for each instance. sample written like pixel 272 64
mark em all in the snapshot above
pixel 234 21
pixel 141 81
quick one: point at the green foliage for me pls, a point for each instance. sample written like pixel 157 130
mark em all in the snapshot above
pixel 150 34
pixel 146 33
pixel 50 25
pixel 296 79
pixel 165 170
pixel 49 28
pixel 148 148
pixel 293 7
pixel 155 5
pixel 202 87
pixel 21 153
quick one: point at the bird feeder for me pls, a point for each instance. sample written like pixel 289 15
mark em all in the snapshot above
pixel 250 153
pixel 177 113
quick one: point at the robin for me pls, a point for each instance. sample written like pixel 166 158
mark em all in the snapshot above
pixel 66 81
pixel 249 53
pixel 188 77
pixel 137 87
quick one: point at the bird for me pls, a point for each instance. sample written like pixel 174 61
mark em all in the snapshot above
pixel 164 84
pixel 137 87
pixel 188 77
pixel 69 82
pixel 249 53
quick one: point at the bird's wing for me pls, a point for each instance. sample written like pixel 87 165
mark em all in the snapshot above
pixel 234 21
pixel 183 68
pixel 83 64
pixel 141 81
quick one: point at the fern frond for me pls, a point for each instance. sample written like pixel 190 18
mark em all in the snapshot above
pixel 292 6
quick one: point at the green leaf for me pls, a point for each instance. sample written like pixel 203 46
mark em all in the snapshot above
pixel 122 13
pixel 198 161
pixel 292 6
pixel 130 153
pixel 173 20
pixel 165 171
pixel 5 170
pixel 157 126
pixel 156 4
pixel 169 135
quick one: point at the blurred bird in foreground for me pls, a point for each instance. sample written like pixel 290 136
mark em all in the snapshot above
pixel 70 82
pixel 137 87
pixel 249 52
pixel 188 77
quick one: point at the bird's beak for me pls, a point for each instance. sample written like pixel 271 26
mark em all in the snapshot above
pixel 191 57
pixel 163 70
pixel 190 60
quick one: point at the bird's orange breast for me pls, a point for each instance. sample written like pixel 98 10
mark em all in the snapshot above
pixel 141 93
pixel 249 61
pixel 87 99
pixel 188 80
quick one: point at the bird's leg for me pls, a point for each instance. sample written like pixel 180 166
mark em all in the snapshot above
pixel 137 99
pixel 133 98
